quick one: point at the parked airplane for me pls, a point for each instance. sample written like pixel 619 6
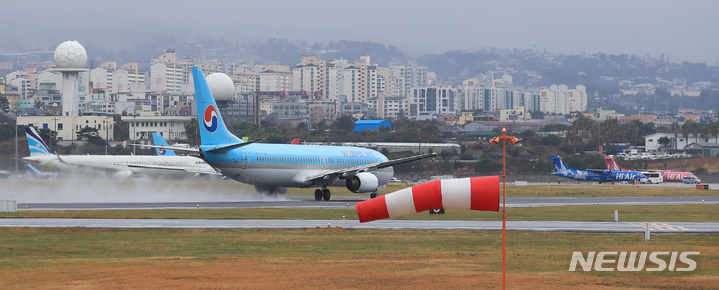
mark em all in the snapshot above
pixel 120 166
pixel 667 175
pixel 598 175
pixel 158 140
pixel 272 168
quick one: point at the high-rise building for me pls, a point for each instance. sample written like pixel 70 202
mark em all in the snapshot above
pixel 562 100
pixel 434 101
pixel 310 76
pixel 171 75
pixel 405 77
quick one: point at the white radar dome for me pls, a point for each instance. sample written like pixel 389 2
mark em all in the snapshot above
pixel 70 54
pixel 221 86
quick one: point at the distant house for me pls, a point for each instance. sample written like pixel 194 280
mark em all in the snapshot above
pixel 703 148
pixel 374 125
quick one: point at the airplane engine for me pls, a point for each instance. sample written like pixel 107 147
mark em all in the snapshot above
pixel 362 182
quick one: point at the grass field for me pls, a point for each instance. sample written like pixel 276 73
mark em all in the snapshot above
pixel 627 213
pixel 330 258
pixel 348 258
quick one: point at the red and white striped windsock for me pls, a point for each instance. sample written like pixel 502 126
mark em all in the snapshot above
pixel 475 193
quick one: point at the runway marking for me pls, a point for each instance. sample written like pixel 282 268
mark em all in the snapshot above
pixel 658 226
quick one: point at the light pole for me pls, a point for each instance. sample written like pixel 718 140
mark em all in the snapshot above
pixel 512 140
pixel 134 126
pixel 17 166
pixel 55 119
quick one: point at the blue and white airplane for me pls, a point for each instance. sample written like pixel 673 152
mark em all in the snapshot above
pixel 598 175
pixel 119 166
pixel 272 168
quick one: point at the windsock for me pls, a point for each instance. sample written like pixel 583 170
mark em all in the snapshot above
pixel 475 193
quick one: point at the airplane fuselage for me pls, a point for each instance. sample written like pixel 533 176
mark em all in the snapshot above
pixel 599 177
pixel 675 176
pixel 290 165
pixel 119 162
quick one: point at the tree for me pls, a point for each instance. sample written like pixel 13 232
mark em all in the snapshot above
pixel 86 133
pixel 551 140
pixel 580 128
pixel 664 141
pixel 344 124
pixel 48 136
pixel 121 130
pixel 686 129
pixel 675 129
pixel 192 132
pixel 610 131
pixel 4 105
pixel 705 130
pixel 90 135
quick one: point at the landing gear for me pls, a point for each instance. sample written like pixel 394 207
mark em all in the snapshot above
pixel 321 194
pixel 373 195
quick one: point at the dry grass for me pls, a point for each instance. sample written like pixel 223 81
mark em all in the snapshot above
pixel 329 258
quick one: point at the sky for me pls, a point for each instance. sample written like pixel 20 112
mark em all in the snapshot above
pixel 681 30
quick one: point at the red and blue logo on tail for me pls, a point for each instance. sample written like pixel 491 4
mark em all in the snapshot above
pixel 210 119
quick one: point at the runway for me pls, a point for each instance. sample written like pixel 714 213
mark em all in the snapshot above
pixel 520 226
pixel 298 202
pixel 103 195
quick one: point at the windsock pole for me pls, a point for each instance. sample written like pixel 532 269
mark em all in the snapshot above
pixel 512 140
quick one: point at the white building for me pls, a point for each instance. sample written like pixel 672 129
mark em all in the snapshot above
pixel 168 74
pixel 309 76
pixel 562 100
pixel 171 127
pixel 275 81
pixel 516 113
pixel 428 102
pixel 405 77
pixel 390 107
pixel 68 126
pixel 126 79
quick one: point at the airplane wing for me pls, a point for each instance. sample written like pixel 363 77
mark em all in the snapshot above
pixel 195 150
pixel 217 149
pixel 352 171
pixel 178 168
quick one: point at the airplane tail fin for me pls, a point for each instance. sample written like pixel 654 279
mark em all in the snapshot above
pixel 296 141
pixel 35 143
pixel 159 141
pixel 611 164
pixel 559 166
pixel 212 128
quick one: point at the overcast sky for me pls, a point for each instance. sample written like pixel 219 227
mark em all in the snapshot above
pixel 682 30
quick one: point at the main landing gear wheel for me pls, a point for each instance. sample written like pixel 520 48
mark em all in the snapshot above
pixel 326 195
pixel 373 195
pixel 318 194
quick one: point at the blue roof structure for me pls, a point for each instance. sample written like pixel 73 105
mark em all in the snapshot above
pixel 370 125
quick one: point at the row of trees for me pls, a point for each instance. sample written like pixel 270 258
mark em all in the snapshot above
pixel 585 133
pixel 339 131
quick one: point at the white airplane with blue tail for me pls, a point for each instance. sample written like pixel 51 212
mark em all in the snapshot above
pixel 119 166
pixel 272 168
